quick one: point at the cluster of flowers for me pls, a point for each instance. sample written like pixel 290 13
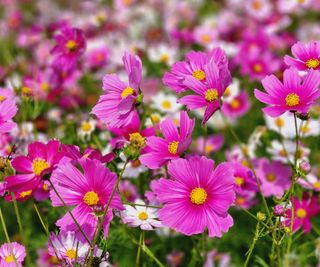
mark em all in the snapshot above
pixel 83 160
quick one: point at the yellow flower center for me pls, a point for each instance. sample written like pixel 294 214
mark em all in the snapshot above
pixel 173 147
pixel 164 58
pixel 25 193
pixel 127 2
pixel 143 216
pixel 240 201
pixel 45 87
pixel 45 187
pixel 39 165
pixel 137 140
pixel 91 198
pixel 198 196
pixel 316 185
pixel 86 126
pixel 227 92
pixel 283 153
pixel 209 148
pixel 292 99
pixel 2 98
pixel 206 38
pixel 26 90
pixel 127 91
pixel 53 260
pixel 271 177
pixel 9 258
pixel 312 63
pixel 256 4
pixel 239 180
pixel 135 163
pixel 155 118
pixel 257 68
pixel 211 95
pixel 305 129
pixel 199 75
pixel 71 253
pixel 166 104
pixel 235 103
pixel 71 45
pixel 279 122
pixel 301 213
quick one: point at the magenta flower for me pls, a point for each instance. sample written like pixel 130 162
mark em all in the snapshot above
pixel 131 133
pixel 207 94
pixel 244 179
pixel 307 56
pixel 194 66
pixel 70 45
pixel 237 106
pixel 197 196
pixel 304 210
pixel 291 95
pixel 89 192
pixel 116 107
pixel 41 160
pixel 208 145
pixel 161 150
pixel 12 255
pixel 274 177
pixel 8 110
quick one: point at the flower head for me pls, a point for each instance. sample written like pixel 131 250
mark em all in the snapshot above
pixel 307 56
pixel 12 255
pixel 197 196
pixel 8 110
pixel 160 150
pixel 291 95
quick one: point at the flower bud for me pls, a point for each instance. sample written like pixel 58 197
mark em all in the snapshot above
pixel 305 166
pixel 278 210
pixel 261 216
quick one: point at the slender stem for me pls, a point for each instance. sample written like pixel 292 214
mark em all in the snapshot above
pixel 139 250
pixel 254 217
pixel 255 239
pixel 249 161
pixel 7 237
pixel 297 140
pixel 16 210
pixel 205 137
pixel 66 208
pixel 45 228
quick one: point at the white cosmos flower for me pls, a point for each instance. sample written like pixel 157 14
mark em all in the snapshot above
pixel 163 53
pixel 144 217
pixel 165 103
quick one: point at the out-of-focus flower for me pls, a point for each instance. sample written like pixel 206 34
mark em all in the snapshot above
pixel 166 103
pixel 304 210
pixel 208 145
pixel 8 110
pixel 12 255
pixel 217 259
pixel 244 179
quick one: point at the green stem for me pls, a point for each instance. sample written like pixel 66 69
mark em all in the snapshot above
pixel 16 210
pixel 141 205
pixel 254 241
pixel 139 250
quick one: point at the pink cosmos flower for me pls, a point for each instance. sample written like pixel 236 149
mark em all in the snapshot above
pixel 70 45
pixel 274 177
pixel 116 107
pixel 47 260
pixel 128 190
pixel 307 56
pixel 161 150
pixel 42 159
pixel 245 200
pixel 217 259
pixel 194 66
pixel 89 192
pixel 291 95
pixel 130 133
pixel 304 210
pixel 244 179
pixel 97 57
pixel 207 95
pixel 259 64
pixel 8 110
pixel 12 255
pixel 197 196
pixel 237 106
pixel 209 144
pixel 6 94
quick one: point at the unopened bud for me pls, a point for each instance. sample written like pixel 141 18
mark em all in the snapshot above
pixel 305 166
pixel 303 116
pixel 278 210
pixel 261 216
